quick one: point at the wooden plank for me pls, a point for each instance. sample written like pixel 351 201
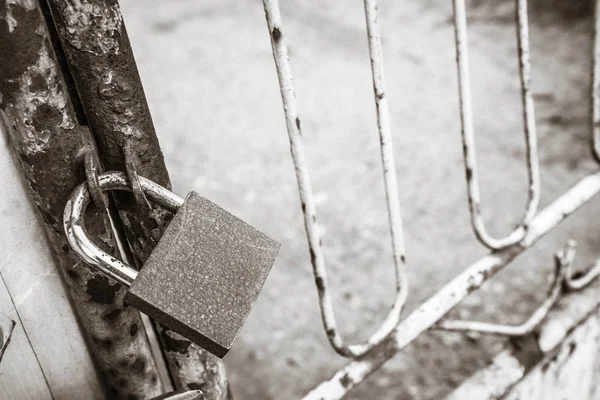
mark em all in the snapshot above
pixel 39 305
pixel 20 374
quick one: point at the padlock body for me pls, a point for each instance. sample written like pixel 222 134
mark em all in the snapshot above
pixel 204 275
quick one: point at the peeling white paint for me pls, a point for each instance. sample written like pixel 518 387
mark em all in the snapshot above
pixel 93 28
pixel 21 113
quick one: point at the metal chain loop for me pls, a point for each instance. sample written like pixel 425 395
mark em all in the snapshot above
pixel 88 156
pixel 132 162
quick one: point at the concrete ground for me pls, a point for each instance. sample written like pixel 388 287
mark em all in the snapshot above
pixel 211 84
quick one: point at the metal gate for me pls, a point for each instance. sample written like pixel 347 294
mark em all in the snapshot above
pixel 73 68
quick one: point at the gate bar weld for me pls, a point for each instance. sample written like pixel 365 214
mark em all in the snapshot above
pixel 284 74
pixel 563 262
pixel 467 131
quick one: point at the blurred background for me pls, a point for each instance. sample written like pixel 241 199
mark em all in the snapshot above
pixel 210 81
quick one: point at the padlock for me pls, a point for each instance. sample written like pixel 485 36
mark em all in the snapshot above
pixel 204 275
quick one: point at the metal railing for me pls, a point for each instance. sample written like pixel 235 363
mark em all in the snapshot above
pixel 395 334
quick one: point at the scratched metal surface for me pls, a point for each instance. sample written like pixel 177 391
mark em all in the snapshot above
pixel 211 86
pixel 96 45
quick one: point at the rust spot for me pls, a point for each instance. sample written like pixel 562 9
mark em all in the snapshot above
pixel 38 83
pixel 139 365
pixel 572 348
pixel 330 333
pixel 313 256
pixel 469 173
pixel 320 284
pixel 346 381
pixel 42 114
pixel 104 343
pixel 175 345
pixel 112 315
pixel 276 34
pixel 72 275
pixel 195 386
pixel 101 291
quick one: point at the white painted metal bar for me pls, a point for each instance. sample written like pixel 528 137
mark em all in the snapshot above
pixel 468 136
pixel 280 54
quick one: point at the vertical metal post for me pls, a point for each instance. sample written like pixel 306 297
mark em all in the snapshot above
pixel 101 61
pixel 43 129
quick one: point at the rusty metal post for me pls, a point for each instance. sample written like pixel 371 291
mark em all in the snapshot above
pixel 43 129
pixel 101 62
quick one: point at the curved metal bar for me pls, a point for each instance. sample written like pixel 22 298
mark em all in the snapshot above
pixel 563 260
pixel 282 64
pixel 73 222
pixel 582 279
pixel 466 114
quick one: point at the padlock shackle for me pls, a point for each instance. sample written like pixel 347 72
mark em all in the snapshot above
pixel 73 222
